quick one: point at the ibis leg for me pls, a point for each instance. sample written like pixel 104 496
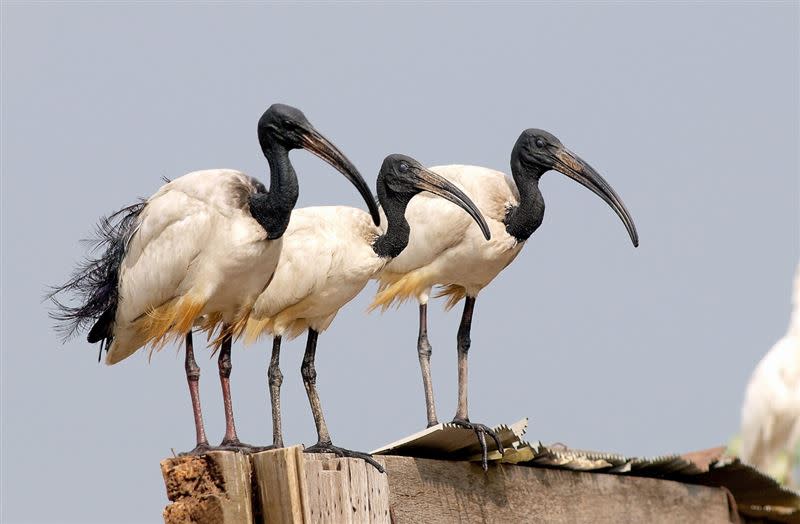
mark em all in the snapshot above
pixel 275 379
pixel 231 440
pixel 424 351
pixel 462 417
pixel 193 379
pixel 324 444
pixel 463 339
pixel 225 368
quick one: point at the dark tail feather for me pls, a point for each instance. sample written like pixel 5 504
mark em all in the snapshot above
pixel 93 287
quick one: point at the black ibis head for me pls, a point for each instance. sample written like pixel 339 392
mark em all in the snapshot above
pixel 289 127
pixel 539 151
pixel 404 177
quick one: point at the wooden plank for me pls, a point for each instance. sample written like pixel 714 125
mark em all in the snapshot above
pixel 436 491
pixel 328 493
pixel 378 488
pixel 278 477
pixel 345 490
pixel 212 488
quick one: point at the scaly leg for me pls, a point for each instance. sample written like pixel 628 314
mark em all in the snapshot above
pixel 193 379
pixel 231 440
pixel 275 378
pixel 424 351
pixel 462 418
pixel 324 444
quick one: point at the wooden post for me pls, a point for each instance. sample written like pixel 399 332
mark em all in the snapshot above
pixel 212 488
pixel 292 486
pixel 438 491
pixel 345 490
pixel 281 484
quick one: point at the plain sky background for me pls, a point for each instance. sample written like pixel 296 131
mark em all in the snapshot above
pixel 690 112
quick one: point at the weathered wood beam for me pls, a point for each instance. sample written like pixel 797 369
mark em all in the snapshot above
pixel 437 491
pixel 290 486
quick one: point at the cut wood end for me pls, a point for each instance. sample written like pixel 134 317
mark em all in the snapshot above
pixel 191 476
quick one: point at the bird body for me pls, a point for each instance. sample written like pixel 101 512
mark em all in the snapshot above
pixel 192 254
pixel 200 250
pixel 771 409
pixel 446 246
pixel 329 254
pixel 327 259
pixel 446 250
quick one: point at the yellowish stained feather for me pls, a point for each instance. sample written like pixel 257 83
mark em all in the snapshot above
pixel 169 321
pixel 454 294
pixel 234 330
pixel 255 328
pixel 396 288
pixel 282 324
pixel 210 323
pixel 296 328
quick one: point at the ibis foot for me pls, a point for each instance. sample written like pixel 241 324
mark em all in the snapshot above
pixel 328 447
pixel 481 431
pixel 240 447
pixel 200 449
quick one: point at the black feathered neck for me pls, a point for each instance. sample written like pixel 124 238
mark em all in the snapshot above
pixel 523 219
pixel 274 208
pixel 395 239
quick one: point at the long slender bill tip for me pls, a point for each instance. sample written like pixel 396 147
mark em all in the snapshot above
pixel 376 216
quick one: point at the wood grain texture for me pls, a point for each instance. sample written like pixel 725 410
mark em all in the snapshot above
pixel 435 491
pixel 279 477
pixel 292 486
pixel 212 488
pixel 345 490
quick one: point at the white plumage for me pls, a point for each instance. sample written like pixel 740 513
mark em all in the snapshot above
pixel 329 254
pixel 771 409
pixel 203 247
pixel 446 250
pixel 192 254
pixel 447 247
pixel 327 259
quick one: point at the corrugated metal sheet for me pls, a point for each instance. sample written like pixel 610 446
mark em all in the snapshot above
pixel 756 494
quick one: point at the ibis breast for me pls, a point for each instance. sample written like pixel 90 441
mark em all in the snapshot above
pixel 327 259
pixel 446 247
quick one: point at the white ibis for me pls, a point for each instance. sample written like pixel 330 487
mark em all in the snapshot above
pixel 190 251
pixel 446 250
pixel 771 409
pixel 329 254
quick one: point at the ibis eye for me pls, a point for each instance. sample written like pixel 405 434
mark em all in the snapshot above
pixel 403 167
pixel 539 143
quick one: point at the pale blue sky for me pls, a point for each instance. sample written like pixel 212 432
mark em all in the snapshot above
pixel 690 112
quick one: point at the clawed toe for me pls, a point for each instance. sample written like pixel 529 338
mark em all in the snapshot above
pixel 481 431
pixel 200 449
pixel 327 447
pixel 240 447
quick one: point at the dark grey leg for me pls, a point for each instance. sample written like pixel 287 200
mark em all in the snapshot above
pixel 462 418
pixel 275 378
pixel 463 351
pixel 324 444
pixel 309 374
pixel 424 351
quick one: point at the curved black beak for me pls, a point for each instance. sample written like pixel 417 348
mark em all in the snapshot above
pixel 314 142
pixel 427 180
pixel 574 167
